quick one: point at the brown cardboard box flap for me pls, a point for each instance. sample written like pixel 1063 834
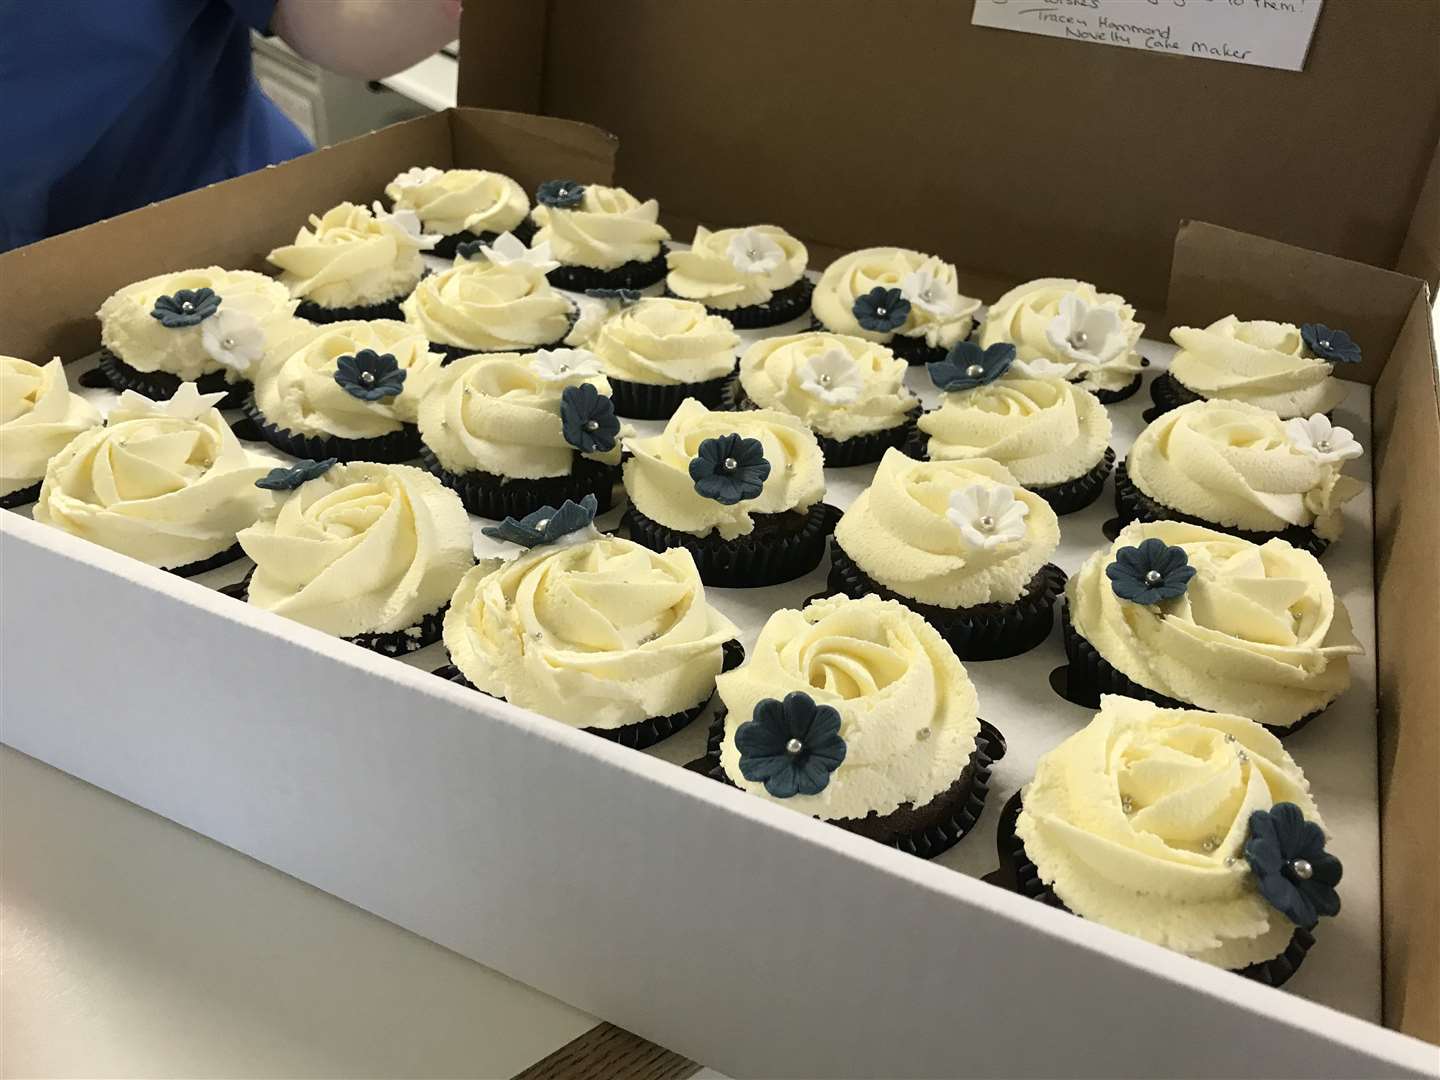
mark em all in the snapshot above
pixel 852 124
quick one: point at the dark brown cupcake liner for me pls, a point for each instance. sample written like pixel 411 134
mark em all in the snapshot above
pixel 161 385
pixel 456 352
pixel 924 831
pixel 1019 874
pixel 392 449
pixel 21 496
pixel 1168 392
pixel 840 453
pixel 912 349
pixel 630 275
pixel 1064 498
pixel 1089 675
pixel 488 495
pixel 781 547
pixel 1132 504
pixel 1110 397
pixel 449 244
pixel 642 734
pixel 983 632
pixel 788 303
pixel 649 401
pixel 231 554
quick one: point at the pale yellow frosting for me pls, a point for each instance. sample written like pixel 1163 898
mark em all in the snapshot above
pixel 1234 464
pixel 665 342
pixel 1023 315
pixel 1259 631
pixel 38 417
pixel 597 634
pixel 462 200
pixel 777 373
pixel 164 489
pixel 719 272
pixel 497 413
pixel 1260 363
pixel 1044 430
pixel 855 274
pixel 906 705
pixel 1159 870
pixel 610 227
pixel 128 329
pixel 479 305
pixel 657 477
pixel 296 389
pixel 364 548
pixel 348 257
pixel 898 532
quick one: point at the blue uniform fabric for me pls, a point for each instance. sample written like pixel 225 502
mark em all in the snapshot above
pixel 108 105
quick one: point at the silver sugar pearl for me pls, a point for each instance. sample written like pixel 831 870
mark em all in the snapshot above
pixel 367 377
pixel 730 464
pixel 542 524
pixel 1241 756
pixel 1302 869
pixel 826 379
pixel 986 523
pixel 1152 577
pixel 228 342
pixel 1229 738
pixel 592 425
pixel 1127 804
pixel 923 734
pixel 1325 343
pixel 974 371
pixel 1323 445
pixel 794 746
pixel 1079 339
pixel 1210 843
pixel 187 306
pixel 1229 860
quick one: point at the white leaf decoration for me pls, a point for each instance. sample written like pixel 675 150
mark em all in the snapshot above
pixel 187 404
pixel 987 515
pixel 1086 333
pixel 832 376
pixel 930 294
pixel 233 339
pixel 1042 367
pixel 418 177
pixel 408 222
pixel 562 365
pixel 508 250
pixel 1318 438
pixel 754 252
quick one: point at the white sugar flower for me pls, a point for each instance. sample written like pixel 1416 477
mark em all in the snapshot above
pixel 408 222
pixel 509 250
pixel 1043 367
pixel 233 339
pixel 753 252
pixel 1086 333
pixel 1321 440
pixel 561 365
pixel 987 516
pixel 930 294
pixel 418 177
pixel 832 376
pixel 186 404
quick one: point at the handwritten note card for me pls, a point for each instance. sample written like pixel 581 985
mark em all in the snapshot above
pixel 1268 33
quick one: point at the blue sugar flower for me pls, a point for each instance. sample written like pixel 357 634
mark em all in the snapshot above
pixel 967 366
pixel 186 308
pixel 588 420
pixel 546 525
pixel 1294 872
pixel 288 479
pixel 471 249
pixel 369 375
pixel 1334 345
pixel 730 469
pixel 881 309
pixel 1152 572
pixel 791 746
pixel 561 193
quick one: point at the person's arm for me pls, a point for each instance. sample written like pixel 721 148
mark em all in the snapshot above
pixel 366 39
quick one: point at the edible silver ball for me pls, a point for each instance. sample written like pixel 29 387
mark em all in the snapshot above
pixel 923 734
pixel 1302 869
pixel 1323 445
pixel 825 380
pixel 794 746
pixel 228 342
pixel 1210 843
pixel 187 306
pixel 592 425
pixel 542 524
pixel 986 522
pixel 1079 339
pixel 1152 577
pixel 974 371
pixel 730 464
pixel 367 377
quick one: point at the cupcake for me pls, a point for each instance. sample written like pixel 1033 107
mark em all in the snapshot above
pixel 39 417
pixel 208 326
pixel 1053 436
pixel 1242 469
pixel 960 544
pixel 1191 830
pixel 741 491
pixel 850 392
pixel 163 482
pixel 496 300
pixel 856 712
pixel 462 205
pixel 370 553
pixel 658 351
pixel 590 630
pixel 347 390
pixel 353 264
pixel 1091 336
pixel 754 276
pixel 895 297
pixel 1286 369
pixel 1188 617
pixel 604 237
pixel 513 433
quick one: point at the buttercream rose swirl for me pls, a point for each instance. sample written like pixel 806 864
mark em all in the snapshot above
pixel 487 307
pixel 609 228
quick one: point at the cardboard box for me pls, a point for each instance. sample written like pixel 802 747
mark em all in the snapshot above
pixel 718 925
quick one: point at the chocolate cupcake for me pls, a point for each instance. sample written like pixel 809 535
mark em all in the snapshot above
pixel 39 417
pixel 511 433
pixel 959 543
pixel 754 277
pixel 603 237
pixel 658 351
pixel 1191 830
pixel 462 206
pixel 741 491
pixel 367 552
pixel 895 297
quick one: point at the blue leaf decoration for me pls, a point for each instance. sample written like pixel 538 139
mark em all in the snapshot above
pixel 546 525
pixel 288 479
